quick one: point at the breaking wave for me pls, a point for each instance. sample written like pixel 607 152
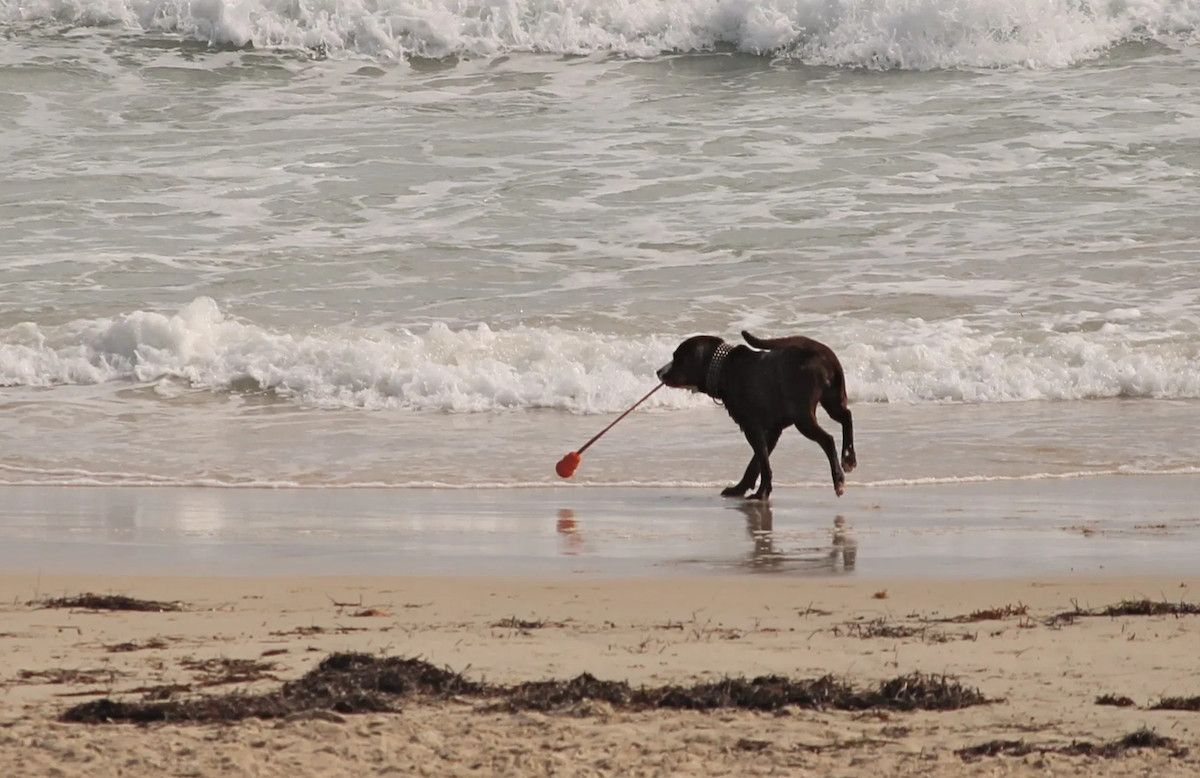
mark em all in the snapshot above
pixel 525 368
pixel 902 34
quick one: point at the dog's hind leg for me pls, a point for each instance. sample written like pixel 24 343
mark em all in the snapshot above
pixel 750 477
pixel 810 429
pixel 834 403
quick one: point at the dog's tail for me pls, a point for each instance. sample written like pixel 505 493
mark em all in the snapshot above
pixel 795 341
pixel 759 342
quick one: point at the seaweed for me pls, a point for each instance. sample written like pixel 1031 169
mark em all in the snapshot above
pixel 997 748
pixel 160 692
pixel 1142 738
pixel 360 683
pixel 879 628
pixel 918 691
pixel 1177 703
pixel 109 602
pixel 133 645
pixel 1145 607
pixel 882 628
pixel 523 625
pixel 62 675
pixel 1141 607
pixel 309 631
pixel 990 614
pixel 763 693
pixel 223 670
pixel 342 683
pixel 551 695
pixel 1115 701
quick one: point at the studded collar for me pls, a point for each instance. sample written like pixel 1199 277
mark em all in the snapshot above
pixel 712 379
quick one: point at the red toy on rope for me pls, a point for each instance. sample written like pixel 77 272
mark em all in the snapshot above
pixel 567 465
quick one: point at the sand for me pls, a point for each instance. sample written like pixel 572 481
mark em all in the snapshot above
pixel 1044 676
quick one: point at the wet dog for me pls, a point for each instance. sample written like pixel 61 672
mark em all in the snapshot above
pixel 766 389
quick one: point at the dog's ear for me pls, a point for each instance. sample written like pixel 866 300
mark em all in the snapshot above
pixel 753 341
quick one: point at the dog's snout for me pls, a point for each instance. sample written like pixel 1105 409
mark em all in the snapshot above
pixel 662 371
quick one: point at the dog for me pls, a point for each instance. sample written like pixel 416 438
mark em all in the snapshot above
pixel 776 384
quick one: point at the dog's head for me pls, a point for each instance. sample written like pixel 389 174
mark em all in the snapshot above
pixel 689 364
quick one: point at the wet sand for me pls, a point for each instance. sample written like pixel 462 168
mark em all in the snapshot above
pixel 1042 674
pixel 1125 524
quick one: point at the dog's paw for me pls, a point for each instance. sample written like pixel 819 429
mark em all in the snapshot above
pixel 760 496
pixel 840 488
pixel 848 464
pixel 733 491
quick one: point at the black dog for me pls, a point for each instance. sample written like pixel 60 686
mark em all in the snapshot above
pixel 767 391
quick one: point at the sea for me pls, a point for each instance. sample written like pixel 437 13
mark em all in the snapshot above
pixel 437 244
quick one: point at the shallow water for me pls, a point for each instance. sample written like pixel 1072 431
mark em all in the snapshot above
pixel 1099 525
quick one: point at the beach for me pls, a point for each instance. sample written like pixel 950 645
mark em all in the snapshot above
pixel 300 304
pixel 1015 640
pixel 1001 584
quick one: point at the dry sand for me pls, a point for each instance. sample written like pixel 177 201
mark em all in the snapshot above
pixel 1045 677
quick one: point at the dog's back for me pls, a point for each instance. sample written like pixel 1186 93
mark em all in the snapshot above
pixel 814 347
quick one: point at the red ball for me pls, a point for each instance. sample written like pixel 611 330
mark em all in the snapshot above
pixel 566 466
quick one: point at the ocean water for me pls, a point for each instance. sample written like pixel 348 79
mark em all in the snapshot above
pixel 442 242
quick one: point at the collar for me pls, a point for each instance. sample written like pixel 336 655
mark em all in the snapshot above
pixel 712 378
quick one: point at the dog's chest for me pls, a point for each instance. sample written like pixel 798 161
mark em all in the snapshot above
pixel 758 411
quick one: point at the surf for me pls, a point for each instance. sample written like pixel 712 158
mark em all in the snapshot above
pixel 878 34
pixel 479 369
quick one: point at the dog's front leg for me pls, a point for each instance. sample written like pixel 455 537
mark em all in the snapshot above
pixel 762 444
pixel 750 477
pixel 748 480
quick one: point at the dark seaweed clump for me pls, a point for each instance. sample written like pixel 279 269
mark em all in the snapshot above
pixel 991 614
pixel 343 683
pixel 108 602
pixel 360 683
pixel 1142 738
pixel 1141 607
pixel 916 691
pixel 1150 608
pixel 1177 703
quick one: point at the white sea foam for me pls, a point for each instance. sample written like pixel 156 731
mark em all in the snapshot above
pixel 951 361
pixel 471 370
pixel 909 34
pixel 524 368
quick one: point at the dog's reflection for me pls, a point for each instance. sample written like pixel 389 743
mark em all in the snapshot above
pixel 840 555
